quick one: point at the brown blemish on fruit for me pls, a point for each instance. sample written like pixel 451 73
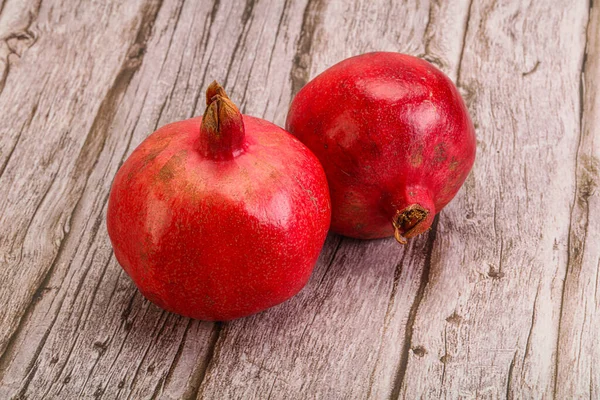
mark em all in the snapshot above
pixel 159 147
pixel 166 173
pixel 171 167
pixel 417 158
pixel 439 153
pixel 151 156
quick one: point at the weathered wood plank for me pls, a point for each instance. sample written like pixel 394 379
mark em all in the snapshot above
pixel 578 374
pixel 343 336
pixel 90 333
pixel 473 310
pixel 488 321
pixel 49 140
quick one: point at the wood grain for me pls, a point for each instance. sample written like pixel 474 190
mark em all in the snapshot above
pixel 488 323
pixel 48 149
pixel 499 300
pixel 577 374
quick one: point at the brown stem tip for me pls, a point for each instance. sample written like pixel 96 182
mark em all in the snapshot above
pixel 406 222
pixel 222 128
pixel 214 89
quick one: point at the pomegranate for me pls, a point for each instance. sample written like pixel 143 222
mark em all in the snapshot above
pixel 220 216
pixel 395 140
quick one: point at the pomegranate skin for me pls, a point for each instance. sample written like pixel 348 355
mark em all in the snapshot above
pixel 394 137
pixel 219 239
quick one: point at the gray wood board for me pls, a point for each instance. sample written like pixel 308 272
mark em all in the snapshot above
pixel 499 300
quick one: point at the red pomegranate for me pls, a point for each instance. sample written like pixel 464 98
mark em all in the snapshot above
pixel 219 217
pixel 395 140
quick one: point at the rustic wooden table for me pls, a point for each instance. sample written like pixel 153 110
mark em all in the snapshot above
pixel 499 300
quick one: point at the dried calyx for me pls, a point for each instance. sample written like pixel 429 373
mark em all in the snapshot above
pixel 408 222
pixel 222 129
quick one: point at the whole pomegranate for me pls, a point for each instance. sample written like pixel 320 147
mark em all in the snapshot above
pixel 395 140
pixel 219 217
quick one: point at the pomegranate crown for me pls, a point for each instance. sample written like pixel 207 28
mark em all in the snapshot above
pixel 222 129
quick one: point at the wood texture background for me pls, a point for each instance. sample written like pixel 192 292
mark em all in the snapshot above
pixel 500 300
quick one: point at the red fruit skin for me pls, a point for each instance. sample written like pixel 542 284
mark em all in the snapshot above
pixel 219 239
pixel 390 130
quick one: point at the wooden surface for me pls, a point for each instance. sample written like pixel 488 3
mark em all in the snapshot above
pixel 500 300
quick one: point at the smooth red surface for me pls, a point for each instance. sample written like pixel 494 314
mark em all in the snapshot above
pixel 390 130
pixel 217 240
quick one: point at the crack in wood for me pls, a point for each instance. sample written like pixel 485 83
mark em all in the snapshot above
pixel 596 285
pixel 205 364
pixel 206 33
pixel 311 19
pixel 97 287
pixel 171 369
pixel 333 255
pixel 574 254
pixel 118 353
pixel 444 360
pixel 413 312
pixel 126 327
pixel 428 37
pixel 62 368
pixel 509 378
pixel 464 42
pixel 387 318
pixel 247 15
pixel 532 70
pixel 8 346
pixel 272 386
pixel 533 321
pixel 25 125
pixel 167 52
pixel 155 334
pixel 279 24
pixel 329 264
pixel 243 100
pixel 33 365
